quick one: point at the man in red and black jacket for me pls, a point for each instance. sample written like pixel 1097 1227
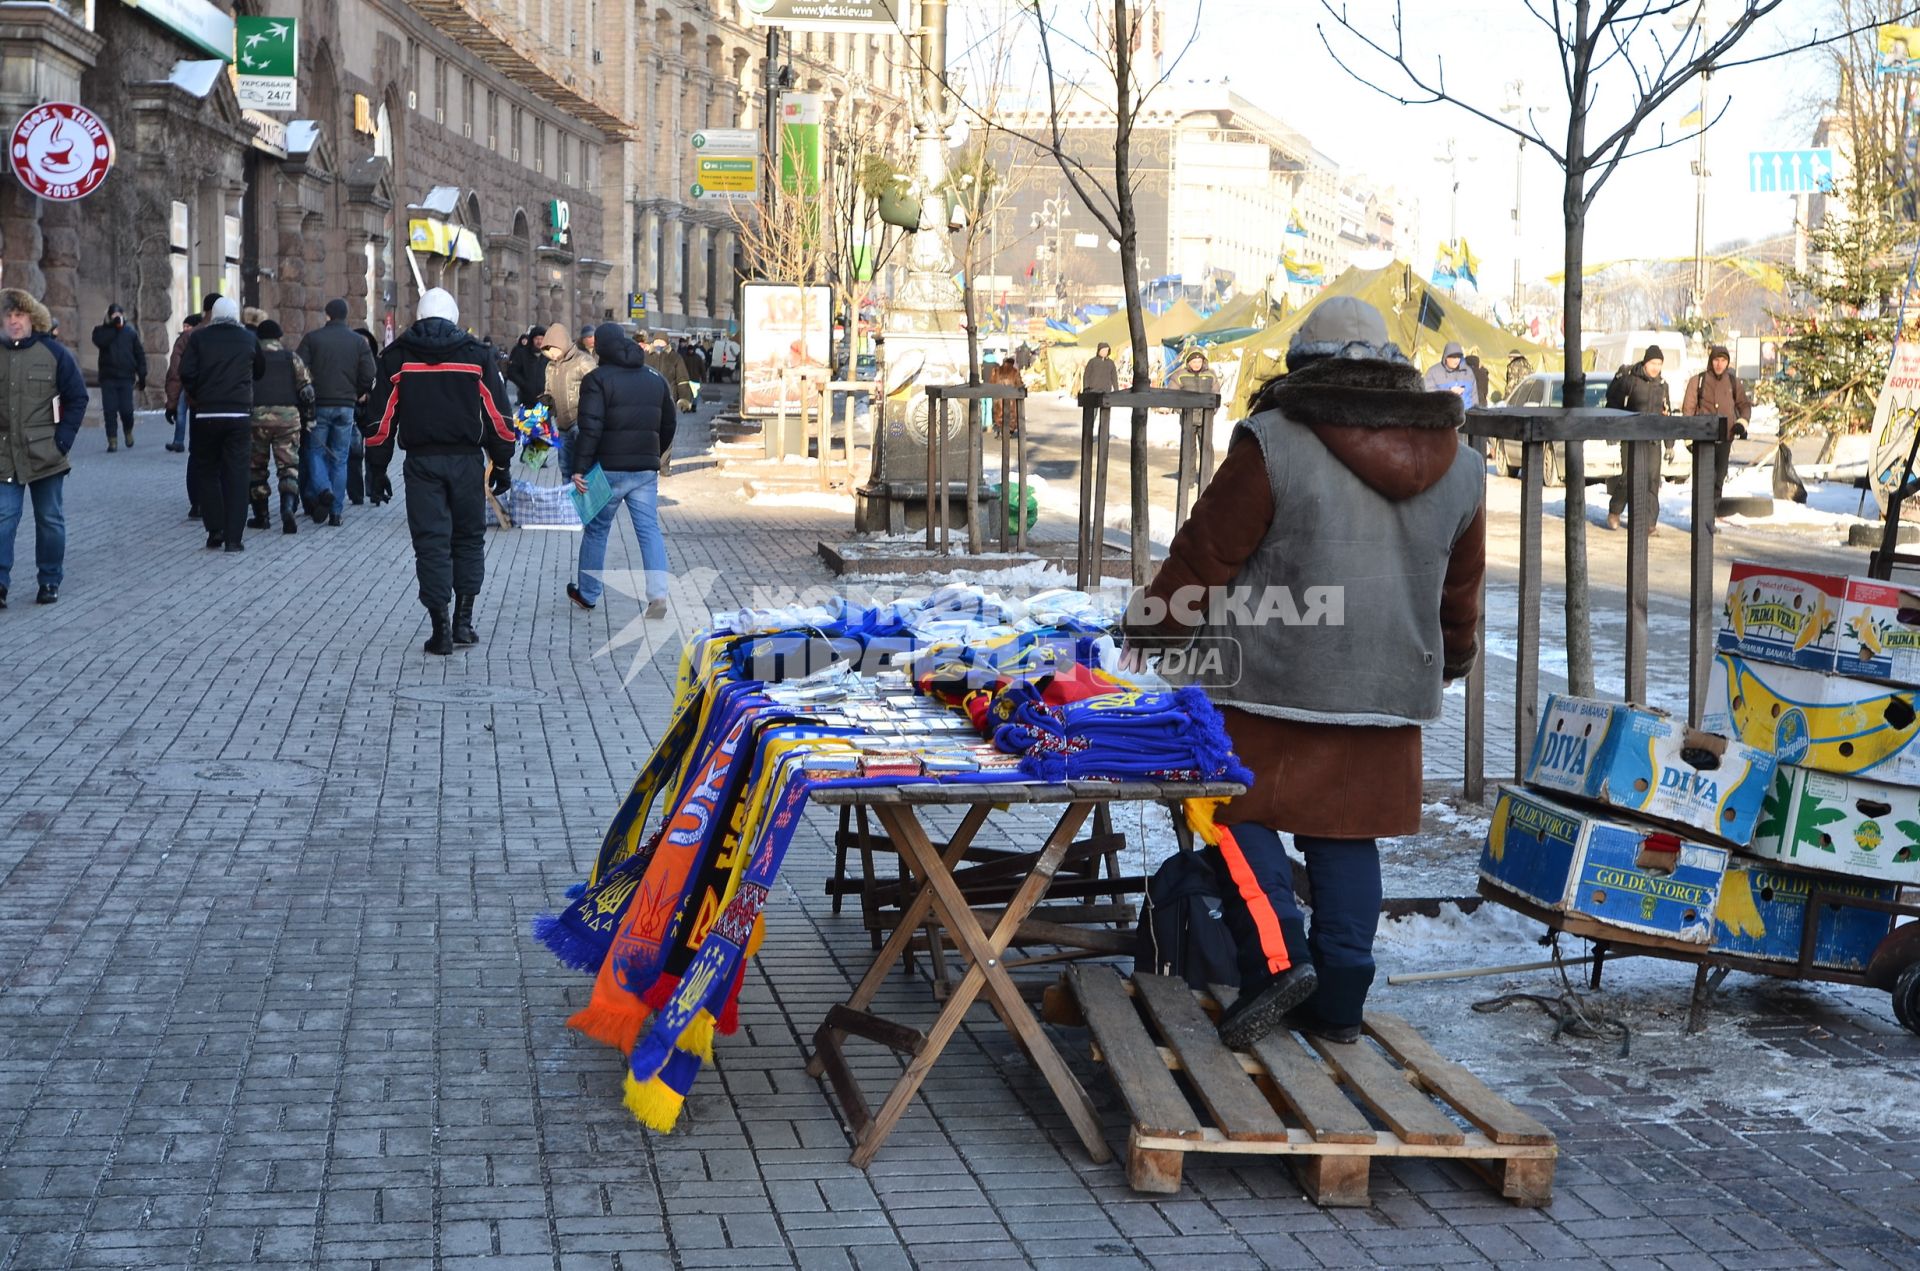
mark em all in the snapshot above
pixel 441 394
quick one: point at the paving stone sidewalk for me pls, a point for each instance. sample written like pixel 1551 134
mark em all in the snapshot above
pixel 267 996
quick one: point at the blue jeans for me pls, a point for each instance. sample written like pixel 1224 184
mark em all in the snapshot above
pixel 182 416
pixel 640 492
pixel 331 440
pixel 49 528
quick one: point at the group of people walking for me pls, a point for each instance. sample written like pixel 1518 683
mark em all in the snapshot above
pixel 316 426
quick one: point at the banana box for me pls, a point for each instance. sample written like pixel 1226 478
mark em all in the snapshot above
pixel 1786 616
pixel 1880 632
pixel 1646 761
pixel 1822 622
pixel 1622 873
pixel 1823 722
pixel 1842 825
pixel 1763 914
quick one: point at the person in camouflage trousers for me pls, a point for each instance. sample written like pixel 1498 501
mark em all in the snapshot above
pixel 283 405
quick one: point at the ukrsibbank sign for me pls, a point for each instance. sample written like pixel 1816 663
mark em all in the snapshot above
pixel 824 15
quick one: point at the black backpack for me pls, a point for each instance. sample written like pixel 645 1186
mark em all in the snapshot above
pixel 1617 388
pixel 1182 931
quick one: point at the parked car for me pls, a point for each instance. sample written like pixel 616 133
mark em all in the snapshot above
pixel 1602 457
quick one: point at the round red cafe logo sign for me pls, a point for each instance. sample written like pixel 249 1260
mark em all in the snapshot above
pixel 61 151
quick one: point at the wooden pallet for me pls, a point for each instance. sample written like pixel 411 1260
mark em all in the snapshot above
pixel 1329 1115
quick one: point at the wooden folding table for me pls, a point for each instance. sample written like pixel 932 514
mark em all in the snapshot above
pixel 984 952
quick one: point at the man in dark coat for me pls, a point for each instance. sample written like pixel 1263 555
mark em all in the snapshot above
pixel 341 365
pixel 1642 391
pixel 1348 497
pixel 626 426
pixel 43 398
pixel 527 367
pixel 123 369
pixel 1718 391
pixel 440 393
pixel 222 362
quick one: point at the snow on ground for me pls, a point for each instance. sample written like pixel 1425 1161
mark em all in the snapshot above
pixel 824 500
pixel 1727 1062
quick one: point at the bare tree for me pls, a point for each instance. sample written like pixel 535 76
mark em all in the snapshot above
pixel 1621 61
pixel 1120 43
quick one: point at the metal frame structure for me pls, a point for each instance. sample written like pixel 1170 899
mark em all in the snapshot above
pixel 1096 438
pixel 1643 435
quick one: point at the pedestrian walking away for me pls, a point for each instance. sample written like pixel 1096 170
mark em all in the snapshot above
pixel 179 413
pixel 1640 389
pixel 1718 391
pixel 282 411
pixel 375 483
pixel 340 363
pixel 440 394
pixel 222 363
pixel 627 422
pixel 194 511
pixel 123 371
pixel 1349 480
pixel 37 428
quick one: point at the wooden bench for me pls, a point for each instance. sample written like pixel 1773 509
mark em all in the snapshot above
pixel 1329 1114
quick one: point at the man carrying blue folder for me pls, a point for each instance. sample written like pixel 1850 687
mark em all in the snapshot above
pixel 625 427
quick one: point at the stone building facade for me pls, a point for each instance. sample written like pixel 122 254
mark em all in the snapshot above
pixel 411 127
pixel 674 67
pixel 532 156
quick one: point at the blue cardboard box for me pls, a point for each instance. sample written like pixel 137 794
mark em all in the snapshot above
pixel 1647 762
pixel 1626 874
pixel 1763 914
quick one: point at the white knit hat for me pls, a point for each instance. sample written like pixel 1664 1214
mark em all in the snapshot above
pixel 437 303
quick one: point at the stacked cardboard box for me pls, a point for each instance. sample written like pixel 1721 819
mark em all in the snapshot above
pixel 1628 819
pixel 1823 668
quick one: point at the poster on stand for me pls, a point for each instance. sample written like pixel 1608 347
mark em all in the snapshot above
pixel 786 330
pixel 1894 416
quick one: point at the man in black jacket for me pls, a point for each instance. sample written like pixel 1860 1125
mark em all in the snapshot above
pixel 626 425
pixel 441 393
pixel 218 371
pixel 341 364
pixel 123 367
pixel 1642 390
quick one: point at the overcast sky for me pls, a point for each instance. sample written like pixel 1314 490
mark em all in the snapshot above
pixel 1269 51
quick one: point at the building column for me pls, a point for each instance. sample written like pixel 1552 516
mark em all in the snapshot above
pixel 314 307
pixel 670 275
pixel 21 236
pixel 724 248
pixel 649 280
pixel 290 267
pixel 60 263
pixel 702 235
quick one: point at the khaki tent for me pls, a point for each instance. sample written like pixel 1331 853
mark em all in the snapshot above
pixel 1235 320
pixel 1420 319
pixel 1064 362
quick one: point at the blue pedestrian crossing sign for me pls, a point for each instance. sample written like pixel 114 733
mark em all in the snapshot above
pixel 1790 171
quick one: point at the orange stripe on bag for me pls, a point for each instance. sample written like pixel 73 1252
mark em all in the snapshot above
pixel 1265 920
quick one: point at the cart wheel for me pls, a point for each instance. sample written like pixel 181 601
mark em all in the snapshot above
pixel 1906 998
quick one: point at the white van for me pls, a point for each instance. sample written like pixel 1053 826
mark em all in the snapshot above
pixel 1611 351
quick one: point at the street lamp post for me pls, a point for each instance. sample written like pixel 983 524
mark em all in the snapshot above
pixel 1516 105
pixel 1051 217
pixel 1704 18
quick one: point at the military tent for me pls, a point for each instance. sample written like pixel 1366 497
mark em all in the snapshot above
pixel 1421 319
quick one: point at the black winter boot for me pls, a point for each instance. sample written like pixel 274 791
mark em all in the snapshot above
pixel 1335 1011
pixel 288 501
pixel 258 520
pixel 1262 1005
pixel 463 632
pixel 440 642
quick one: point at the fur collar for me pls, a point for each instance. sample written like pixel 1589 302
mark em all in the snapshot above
pixel 1358 393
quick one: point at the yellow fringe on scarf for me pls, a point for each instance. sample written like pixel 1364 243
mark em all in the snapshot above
pixel 1200 814
pixel 697 1037
pixel 758 935
pixel 653 1103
